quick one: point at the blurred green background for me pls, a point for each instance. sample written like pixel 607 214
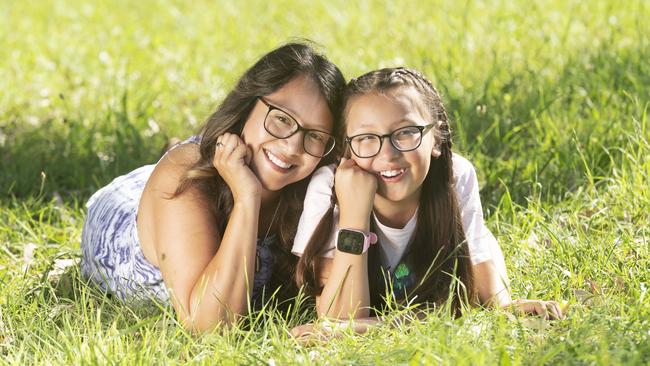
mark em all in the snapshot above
pixel 549 100
pixel 93 89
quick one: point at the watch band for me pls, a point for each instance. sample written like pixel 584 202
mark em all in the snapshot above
pixel 354 241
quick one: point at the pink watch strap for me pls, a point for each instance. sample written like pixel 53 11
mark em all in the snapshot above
pixel 371 238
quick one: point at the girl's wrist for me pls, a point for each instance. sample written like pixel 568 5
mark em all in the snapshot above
pixel 357 221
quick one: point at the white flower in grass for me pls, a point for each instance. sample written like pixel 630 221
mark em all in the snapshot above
pixel 153 128
pixel 566 273
pixel 191 119
pixel 104 157
pixel 476 330
pixel 153 125
pixel 104 58
pixel 313 355
pixel 28 255
pixel 32 120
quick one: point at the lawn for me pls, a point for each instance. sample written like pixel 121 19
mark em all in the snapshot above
pixel 549 100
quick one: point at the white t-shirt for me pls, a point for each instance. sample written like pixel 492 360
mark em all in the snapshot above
pixel 394 241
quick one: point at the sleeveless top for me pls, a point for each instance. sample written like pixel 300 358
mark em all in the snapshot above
pixel 111 253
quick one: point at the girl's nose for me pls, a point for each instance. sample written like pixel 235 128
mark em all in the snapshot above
pixel 387 150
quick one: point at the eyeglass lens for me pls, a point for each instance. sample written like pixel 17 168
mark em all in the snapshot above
pixel 403 139
pixel 282 125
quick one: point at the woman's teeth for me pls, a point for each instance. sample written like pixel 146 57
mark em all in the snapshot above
pixel 391 173
pixel 277 161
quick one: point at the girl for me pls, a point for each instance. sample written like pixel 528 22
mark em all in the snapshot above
pixel 402 188
pixel 210 225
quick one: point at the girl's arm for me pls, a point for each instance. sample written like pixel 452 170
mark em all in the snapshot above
pixel 492 288
pixel 490 273
pixel 345 278
pixel 494 292
pixel 209 274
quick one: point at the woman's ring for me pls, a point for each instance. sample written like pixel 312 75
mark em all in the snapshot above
pixel 219 144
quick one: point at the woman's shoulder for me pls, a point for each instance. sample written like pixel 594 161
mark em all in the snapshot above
pixel 179 159
pixel 170 170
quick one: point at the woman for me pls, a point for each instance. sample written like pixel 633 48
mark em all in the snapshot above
pixel 210 226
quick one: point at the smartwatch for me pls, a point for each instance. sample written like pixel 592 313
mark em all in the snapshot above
pixel 354 241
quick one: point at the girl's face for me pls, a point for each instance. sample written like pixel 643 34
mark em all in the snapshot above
pixel 399 174
pixel 279 162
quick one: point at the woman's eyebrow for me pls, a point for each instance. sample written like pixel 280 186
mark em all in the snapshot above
pixel 293 115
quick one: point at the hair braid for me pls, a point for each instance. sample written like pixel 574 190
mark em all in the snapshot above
pixel 439 240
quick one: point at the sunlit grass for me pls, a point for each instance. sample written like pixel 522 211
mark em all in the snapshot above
pixel 549 100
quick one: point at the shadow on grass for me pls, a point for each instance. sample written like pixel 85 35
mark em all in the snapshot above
pixel 529 128
pixel 62 292
pixel 75 155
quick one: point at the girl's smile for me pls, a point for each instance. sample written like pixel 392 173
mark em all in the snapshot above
pixel 399 173
pixel 393 175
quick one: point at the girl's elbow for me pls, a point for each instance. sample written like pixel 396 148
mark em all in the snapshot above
pixel 201 325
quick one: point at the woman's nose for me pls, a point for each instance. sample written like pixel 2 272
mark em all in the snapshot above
pixel 294 143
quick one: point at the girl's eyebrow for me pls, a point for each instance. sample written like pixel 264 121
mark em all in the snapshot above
pixel 403 121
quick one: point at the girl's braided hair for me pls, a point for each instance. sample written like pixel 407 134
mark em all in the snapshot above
pixel 439 253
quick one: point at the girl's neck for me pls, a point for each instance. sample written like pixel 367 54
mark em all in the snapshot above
pixel 396 214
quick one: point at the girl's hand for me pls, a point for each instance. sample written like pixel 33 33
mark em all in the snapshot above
pixel 231 159
pixel 324 330
pixel 548 309
pixel 355 191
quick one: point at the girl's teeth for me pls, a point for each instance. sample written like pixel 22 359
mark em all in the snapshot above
pixel 277 161
pixel 391 173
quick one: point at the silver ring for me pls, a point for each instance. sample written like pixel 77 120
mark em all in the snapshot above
pixel 219 144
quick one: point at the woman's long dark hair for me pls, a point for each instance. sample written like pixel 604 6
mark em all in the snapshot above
pixel 268 74
pixel 439 254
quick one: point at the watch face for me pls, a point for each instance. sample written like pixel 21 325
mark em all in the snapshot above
pixel 350 241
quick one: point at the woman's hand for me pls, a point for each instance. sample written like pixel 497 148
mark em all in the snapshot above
pixel 355 191
pixel 231 159
pixel 548 309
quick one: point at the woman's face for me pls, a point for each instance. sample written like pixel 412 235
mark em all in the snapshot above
pixel 279 162
pixel 399 174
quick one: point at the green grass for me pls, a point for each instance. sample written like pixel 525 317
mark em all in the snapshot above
pixel 550 101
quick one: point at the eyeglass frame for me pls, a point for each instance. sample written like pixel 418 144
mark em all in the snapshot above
pixel 300 128
pixel 348 140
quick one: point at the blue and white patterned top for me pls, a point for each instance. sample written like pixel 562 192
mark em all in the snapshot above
pixel 111 252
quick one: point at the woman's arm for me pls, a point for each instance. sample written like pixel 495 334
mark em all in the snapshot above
pixel 209 274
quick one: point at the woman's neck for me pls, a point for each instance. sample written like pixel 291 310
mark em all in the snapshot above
pixel 396 214
pixel 268 198
pixel 269 203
